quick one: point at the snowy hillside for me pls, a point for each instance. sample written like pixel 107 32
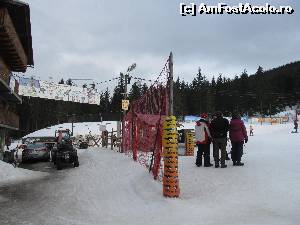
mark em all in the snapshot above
pixel 79 128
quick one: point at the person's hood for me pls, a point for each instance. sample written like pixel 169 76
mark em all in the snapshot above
pixel 198 123
pixel 235 124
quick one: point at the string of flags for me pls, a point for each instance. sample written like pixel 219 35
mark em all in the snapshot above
pixel 98 83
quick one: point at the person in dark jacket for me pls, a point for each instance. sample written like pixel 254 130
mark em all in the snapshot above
pixel 203 140
pixel 237 135
pixel 296 125
pixel 7 142
pixel 219 128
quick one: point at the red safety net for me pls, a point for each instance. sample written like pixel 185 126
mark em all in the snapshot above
pixel 142 132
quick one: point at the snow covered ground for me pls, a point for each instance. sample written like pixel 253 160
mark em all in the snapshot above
pixel 78 128
pixel 109 188
pixel 10 175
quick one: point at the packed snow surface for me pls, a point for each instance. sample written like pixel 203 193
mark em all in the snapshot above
pixel 110 189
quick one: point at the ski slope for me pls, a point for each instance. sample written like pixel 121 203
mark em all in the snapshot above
pixel 109 188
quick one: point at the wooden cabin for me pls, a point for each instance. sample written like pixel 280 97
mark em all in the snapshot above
pixel 16 55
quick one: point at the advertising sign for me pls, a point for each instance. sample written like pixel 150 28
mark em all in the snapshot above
pixel 125 104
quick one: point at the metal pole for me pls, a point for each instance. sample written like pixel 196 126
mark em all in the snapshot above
pixel 124 113
pixel 72 127
pixel 111 139
pixel 171 110
pixel 125 91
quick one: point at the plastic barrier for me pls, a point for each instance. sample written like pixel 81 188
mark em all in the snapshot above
pixel 189 143
pixel 170 145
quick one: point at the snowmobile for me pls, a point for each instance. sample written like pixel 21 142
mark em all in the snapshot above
pixel 64 152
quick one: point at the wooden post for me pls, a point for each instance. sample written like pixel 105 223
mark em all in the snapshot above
pixel 170 80
pixel 170 144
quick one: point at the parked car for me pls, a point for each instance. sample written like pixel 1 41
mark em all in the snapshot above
pixel 36 151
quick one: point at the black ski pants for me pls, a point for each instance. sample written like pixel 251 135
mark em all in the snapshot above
pixel 237 151
pixel 203 150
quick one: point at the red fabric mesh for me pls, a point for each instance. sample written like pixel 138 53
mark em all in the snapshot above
pixel 143 129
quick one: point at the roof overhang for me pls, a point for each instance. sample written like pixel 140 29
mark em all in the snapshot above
pixel 10 46
pixel 19 13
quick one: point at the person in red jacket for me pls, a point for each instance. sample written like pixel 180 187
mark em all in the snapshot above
pixel 203 140
pixel 237 135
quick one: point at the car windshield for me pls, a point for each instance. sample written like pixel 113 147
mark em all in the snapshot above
pixel 35 145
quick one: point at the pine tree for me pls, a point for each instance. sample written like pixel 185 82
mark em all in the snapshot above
pixel 69 82
pixel 198 80
pixel 144 88
pixel 244 81
pixel 196 93
pixel 61 81
pixel 178 98
pixel 259 71
pixel 213 82
pixel 135 92
pixel 105 101
pixel 219 81
pixel 118 95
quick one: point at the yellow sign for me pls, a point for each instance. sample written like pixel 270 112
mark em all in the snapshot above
pixel 125 104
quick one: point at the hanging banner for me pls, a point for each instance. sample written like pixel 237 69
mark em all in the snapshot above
pixel 44 89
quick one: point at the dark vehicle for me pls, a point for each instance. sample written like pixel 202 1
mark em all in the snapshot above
pixel 64 152
pixel 83 145
pixel 37 151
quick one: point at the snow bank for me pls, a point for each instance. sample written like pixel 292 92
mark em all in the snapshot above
pixel 9 174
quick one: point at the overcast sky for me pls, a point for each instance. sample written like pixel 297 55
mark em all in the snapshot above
pixel 100 38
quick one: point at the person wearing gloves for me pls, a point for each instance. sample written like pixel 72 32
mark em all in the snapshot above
pixel 237 135
pixel 203 140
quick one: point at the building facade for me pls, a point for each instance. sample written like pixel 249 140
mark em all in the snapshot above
pixel 15 56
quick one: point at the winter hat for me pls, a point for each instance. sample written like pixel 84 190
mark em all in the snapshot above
pixel 204 115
